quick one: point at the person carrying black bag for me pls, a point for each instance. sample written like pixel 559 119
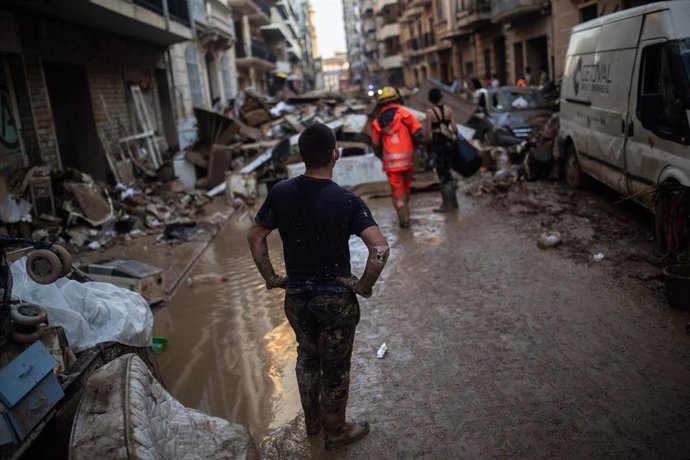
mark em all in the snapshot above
pixel 440 127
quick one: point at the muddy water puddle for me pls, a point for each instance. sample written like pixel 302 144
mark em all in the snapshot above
pixel 231 351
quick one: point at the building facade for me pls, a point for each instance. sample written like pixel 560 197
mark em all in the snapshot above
pixel 360 73
pixel 335 72
pixel 67 72
pixel 450 40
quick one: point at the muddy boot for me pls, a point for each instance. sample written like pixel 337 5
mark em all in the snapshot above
pixel 404 216
pixel 447 195
pixel 349 433
pixel 454 196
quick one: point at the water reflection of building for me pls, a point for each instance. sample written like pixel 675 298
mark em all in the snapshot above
pixel 335 72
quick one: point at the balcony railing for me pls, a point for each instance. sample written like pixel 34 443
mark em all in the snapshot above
pixel 502 10
pixel 260 50
pixel 177 9
pixel 412 44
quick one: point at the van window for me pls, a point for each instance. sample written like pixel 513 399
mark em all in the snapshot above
pixel 659 98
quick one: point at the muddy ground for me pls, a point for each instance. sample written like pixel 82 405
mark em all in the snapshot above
pixel 496 348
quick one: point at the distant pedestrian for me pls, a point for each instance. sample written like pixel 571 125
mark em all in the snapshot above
pixel 439 122
pixel 315 218
pixel 395 133
pixel 521 82
pixel 495 82
pixel 487 81
pixel 529 79
pixel 543 77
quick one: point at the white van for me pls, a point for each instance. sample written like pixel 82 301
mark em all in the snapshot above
pixel 625 109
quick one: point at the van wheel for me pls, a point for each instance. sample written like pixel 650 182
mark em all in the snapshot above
pixel 573 174
pixel 672 218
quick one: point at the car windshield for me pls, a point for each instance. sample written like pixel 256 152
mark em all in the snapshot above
pixel 507 100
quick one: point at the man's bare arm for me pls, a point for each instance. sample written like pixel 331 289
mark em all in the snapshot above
pixel 378 256
pixel 259 248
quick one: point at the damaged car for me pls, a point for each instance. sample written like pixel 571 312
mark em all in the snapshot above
pixel 507 115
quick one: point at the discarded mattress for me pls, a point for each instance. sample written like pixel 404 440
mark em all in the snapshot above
pixel 125 413
pixel 90 313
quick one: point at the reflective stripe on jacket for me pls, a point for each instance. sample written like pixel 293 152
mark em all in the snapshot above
pixel 394 128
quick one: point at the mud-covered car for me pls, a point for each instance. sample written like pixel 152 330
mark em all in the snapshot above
pixel 507 115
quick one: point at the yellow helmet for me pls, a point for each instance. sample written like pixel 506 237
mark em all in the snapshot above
pixel 387 93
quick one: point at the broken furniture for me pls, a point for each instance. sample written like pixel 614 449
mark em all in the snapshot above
pixel 29 389
pixel 145 279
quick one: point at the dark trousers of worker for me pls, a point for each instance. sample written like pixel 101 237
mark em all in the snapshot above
pixel 442 153
pixel 324 322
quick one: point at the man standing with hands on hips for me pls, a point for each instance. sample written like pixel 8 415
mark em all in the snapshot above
pixel 315 218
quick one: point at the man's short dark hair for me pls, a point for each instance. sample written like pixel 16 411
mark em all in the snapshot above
pixel 316 144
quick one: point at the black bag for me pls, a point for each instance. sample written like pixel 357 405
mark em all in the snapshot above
pixel 466 159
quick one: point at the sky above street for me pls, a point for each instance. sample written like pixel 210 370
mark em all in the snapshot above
pixel 330 33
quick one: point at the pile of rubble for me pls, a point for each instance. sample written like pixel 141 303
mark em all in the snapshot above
pixel 70 208
pixel 169 196
pixel 258 135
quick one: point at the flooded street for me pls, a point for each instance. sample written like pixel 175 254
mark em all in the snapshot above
pixel 496 348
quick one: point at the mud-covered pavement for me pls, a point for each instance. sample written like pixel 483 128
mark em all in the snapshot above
pixel 495 348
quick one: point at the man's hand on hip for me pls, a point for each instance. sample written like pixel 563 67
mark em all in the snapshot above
pixel 355 285
pixel 276 281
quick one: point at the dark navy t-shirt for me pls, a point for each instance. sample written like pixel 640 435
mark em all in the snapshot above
pixel 315 218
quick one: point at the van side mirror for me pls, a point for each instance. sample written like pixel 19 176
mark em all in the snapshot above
pixel 648 109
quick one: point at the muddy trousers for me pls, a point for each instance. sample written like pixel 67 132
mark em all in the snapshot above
pixel 442 151
pixel 324 322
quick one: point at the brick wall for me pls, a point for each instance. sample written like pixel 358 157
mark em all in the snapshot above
pixel 111 64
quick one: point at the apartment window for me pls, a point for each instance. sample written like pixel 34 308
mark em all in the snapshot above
pixel 588 13
pixel 225 71
pixel 194 76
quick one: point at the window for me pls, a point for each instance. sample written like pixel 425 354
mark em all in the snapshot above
pixel 588 13
pixel 194 76
pixel 225 70
pixel 659 102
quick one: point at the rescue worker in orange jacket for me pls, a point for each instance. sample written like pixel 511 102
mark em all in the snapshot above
pixel 394 133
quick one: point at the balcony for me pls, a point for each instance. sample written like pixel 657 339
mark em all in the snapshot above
pixel 216 26
pixel 474 13
pixel 295 53
pixel 256 54
pixel 391 62
pixel 368 25
pixel 507 10
pixel 367 7
pixel 410 13
pixel 420 3
pixel 380 5
pixel 162 22
pixel 388 31
pixel 275 31
pixel 371 46
pixel 257 10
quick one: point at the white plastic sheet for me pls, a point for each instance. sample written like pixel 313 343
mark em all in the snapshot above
pixel 12 210
pixel 90 313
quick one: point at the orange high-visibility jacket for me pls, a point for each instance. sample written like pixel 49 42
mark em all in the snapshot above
pixel 394 127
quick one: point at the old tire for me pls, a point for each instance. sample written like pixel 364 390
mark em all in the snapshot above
pixel 672 219
pixel 574 176
pixel 29 337
pixel 65 259
pixel 43 266
pixel 28 314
